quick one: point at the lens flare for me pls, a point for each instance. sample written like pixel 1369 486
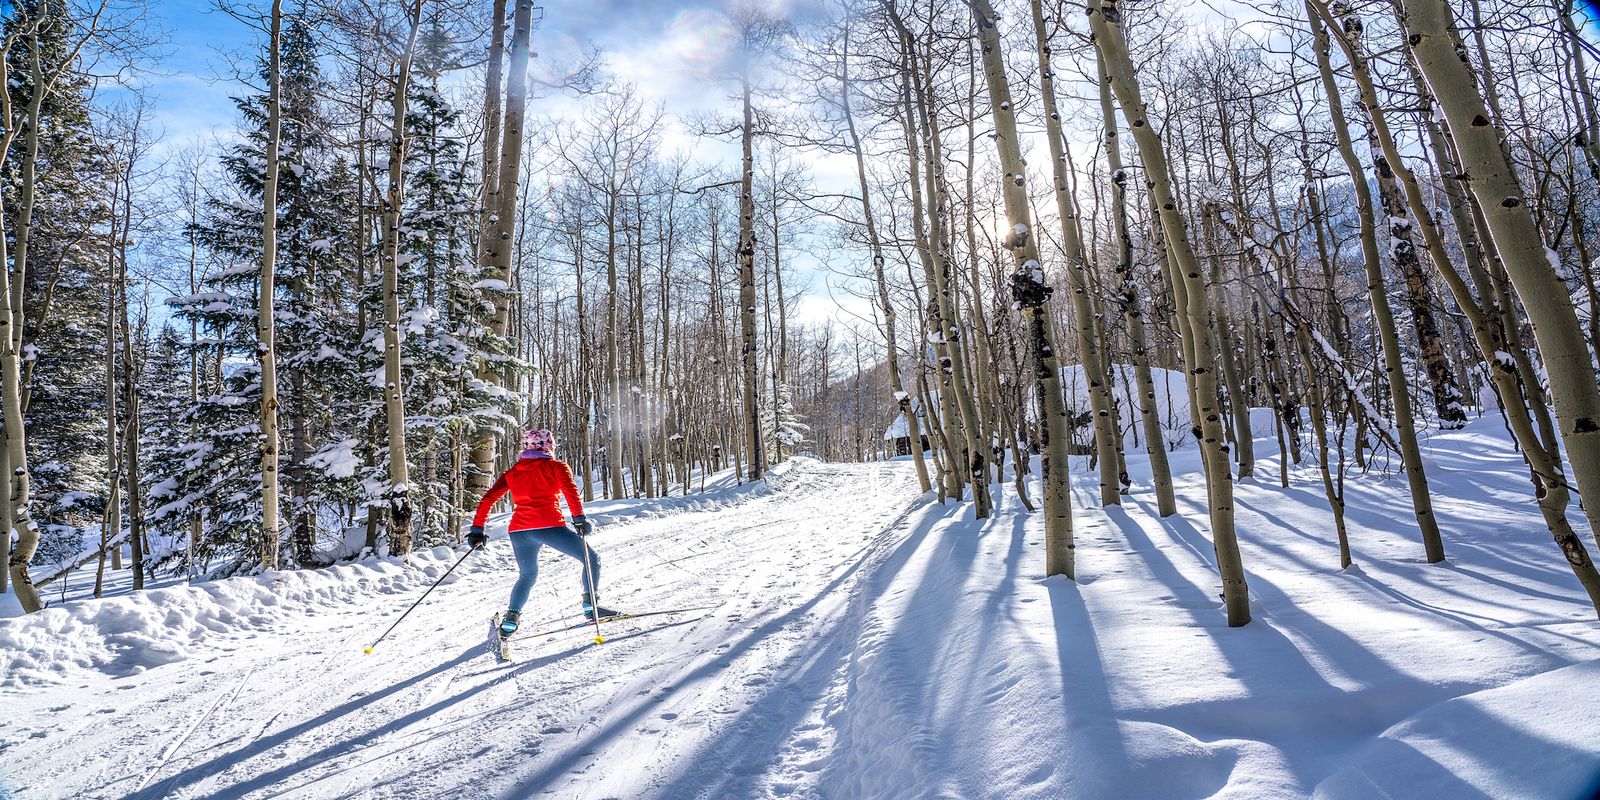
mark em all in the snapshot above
pixel 699 38
pixel 556 56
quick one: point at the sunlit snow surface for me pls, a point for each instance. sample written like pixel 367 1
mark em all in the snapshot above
pixel 863 643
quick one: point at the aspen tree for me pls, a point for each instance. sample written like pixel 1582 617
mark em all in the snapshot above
pixel 1400 209
pixel 1439 51
pixel 265 353
pixel 932 345
pixel 1383 314
pixel 19 480
pixel 613 377
pixel 1223 305
pixel 944 326
pixel 1105 19
pixel 875 246
pixel 499 245
pixel 481 453
pixel 134 147
pixel 1106 436
pixel 753 34
pixel 1128 299
pixel 398 494
pixel 111 518
pixel 1032 295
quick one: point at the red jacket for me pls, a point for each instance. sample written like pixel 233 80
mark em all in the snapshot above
pixel 533 484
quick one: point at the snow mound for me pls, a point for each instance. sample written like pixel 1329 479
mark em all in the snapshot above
pixel 1172 400
pixel 124 636
pixel 1533 738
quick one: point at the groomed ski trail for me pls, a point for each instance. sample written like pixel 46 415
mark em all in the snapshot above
pixel 704 704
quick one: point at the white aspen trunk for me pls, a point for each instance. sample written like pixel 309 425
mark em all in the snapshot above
pixel 130 459
pixel 111 520
pixel 1105 20
pixel 1383 314
pixel 1032 295
pixel 130 372
pixel 11 328
pixel 1106 436
pixel 502 230
pixel 614 446
pixel 481 453
pixel 398 494
pixel 968 463
pixel 265 328
pixel 1128 298
pixel 1437 48
pixel 755 465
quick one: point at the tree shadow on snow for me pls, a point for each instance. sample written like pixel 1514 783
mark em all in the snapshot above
pixel 384 725
pixel 1278 694
pixel 756 734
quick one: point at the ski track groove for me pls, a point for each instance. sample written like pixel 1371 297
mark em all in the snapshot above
pixel 177 743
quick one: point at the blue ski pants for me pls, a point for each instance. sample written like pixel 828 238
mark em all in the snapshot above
pixel 526 543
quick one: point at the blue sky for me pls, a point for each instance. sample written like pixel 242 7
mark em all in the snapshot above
pixel 671 49
pixel 190 82
pixel 668 47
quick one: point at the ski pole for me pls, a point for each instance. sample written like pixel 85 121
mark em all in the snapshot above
pixel 594 599
pixel 368 648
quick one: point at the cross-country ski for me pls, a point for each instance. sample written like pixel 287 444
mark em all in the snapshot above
pixel 799 400
pixel 609 619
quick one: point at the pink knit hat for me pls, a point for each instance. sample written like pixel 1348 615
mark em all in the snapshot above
pixel 540 439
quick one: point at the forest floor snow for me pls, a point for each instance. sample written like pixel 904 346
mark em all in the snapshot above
pixel 864 642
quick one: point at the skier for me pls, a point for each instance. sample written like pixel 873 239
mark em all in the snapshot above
pixel 534 482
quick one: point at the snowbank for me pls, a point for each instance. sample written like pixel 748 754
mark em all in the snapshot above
pixel 122 636
pixel 1534 738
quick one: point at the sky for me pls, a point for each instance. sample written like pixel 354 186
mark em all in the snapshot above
pixel 672 50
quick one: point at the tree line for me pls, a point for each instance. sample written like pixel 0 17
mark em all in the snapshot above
pixel 1060 229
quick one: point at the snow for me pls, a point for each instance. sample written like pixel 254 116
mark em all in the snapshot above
pixel 1536 732
pixel 338 459
pixel 898 429
pixel 326 352
pixel 861 641
pixel 1172 404
pixel 234 271
pixel 1554 258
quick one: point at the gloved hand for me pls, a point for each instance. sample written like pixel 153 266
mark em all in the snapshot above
pixel 476 538
pixel 582 525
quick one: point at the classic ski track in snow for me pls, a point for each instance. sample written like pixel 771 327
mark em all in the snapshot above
pixel 431 715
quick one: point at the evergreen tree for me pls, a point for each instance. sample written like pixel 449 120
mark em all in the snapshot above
pixel 323 368
pixel 781 427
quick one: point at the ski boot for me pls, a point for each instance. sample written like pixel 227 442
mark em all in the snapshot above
pixel 592 609
pixel 508 624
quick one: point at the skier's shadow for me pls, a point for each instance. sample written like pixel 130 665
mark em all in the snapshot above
pixel 300 765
